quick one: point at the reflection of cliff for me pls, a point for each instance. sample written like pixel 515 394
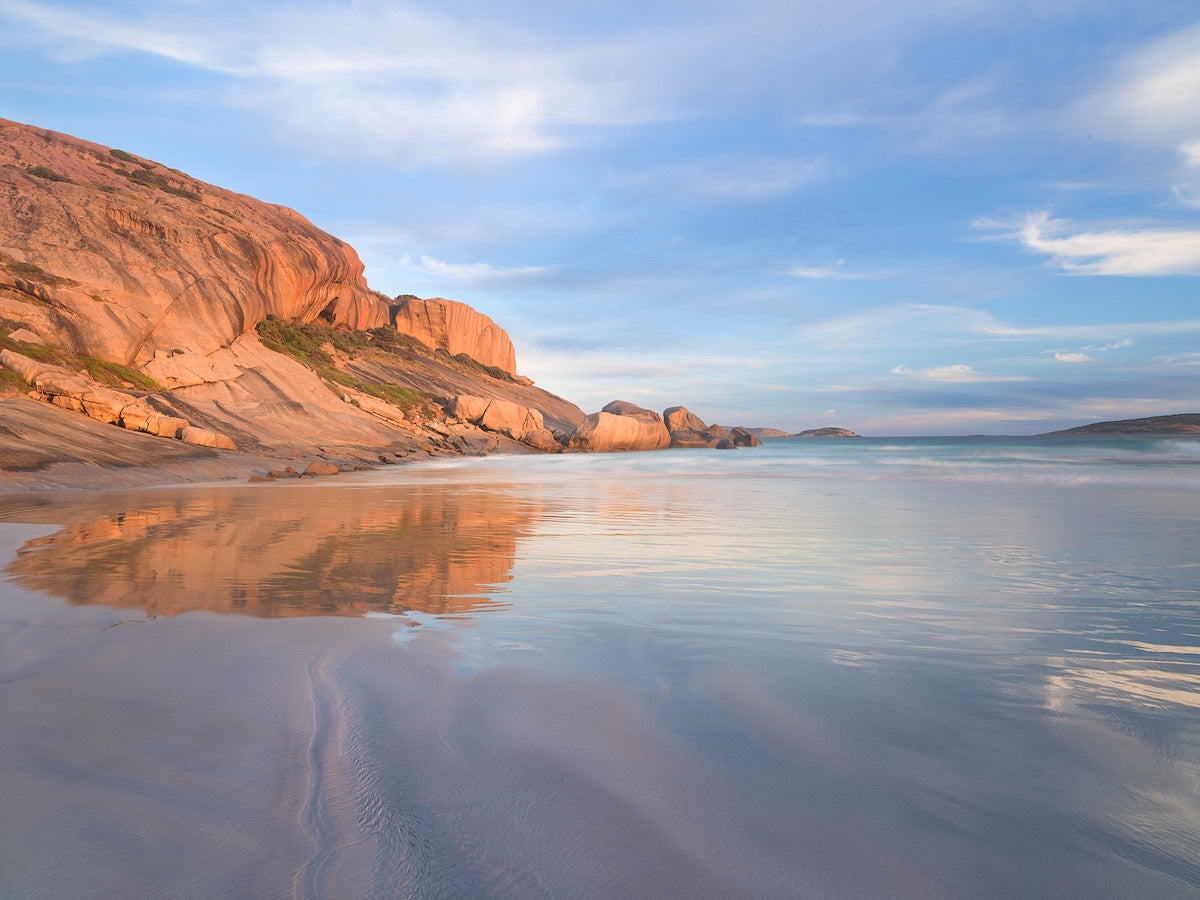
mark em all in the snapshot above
pixel 284 551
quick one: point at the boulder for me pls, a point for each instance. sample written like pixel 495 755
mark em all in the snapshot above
pixel 375 406
pixel 24 366
pixel 25 336
pixel 743 438
pixel 542 439
pixel 510 418
pixel 679 418
pixel 203 437
pixel 175 370
pixel 104 405
pixel 468 408
pixel 321 467
pixel 505 417
pixel 621 426
pixel 138 416
pixel 693 438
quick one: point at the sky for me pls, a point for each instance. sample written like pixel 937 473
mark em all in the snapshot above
pixel 935 217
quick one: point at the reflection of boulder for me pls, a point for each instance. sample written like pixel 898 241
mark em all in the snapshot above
pixel 287 550
pixel 621 426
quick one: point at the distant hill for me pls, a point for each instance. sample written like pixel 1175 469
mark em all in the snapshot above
pixel 768 432
pixel 1181 423
pixel 827 433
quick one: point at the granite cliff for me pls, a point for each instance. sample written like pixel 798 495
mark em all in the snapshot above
pixel 143 298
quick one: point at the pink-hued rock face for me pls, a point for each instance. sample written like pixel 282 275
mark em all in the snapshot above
pixel 621 426
pixel 115 256
pixel 457 328
pixel 680 418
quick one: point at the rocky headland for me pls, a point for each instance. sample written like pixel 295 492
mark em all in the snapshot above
pixel 215 335
pixel 833 432
pixel 1180 423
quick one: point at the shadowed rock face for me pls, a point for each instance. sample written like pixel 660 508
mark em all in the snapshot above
pixel 680 418
pixel 115 256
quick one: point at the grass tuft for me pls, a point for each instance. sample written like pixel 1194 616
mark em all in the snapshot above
pixel 304 341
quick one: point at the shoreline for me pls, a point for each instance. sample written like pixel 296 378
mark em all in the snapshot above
pixel 46 449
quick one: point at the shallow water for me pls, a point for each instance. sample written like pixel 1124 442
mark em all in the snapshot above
pixel 892 668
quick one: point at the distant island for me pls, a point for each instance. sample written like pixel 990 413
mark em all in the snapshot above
pixel 826 433
pixel 1181 423
pixel 809 433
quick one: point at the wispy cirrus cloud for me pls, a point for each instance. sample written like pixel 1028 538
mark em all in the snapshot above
pixel 83 35
pixel 476 271
pixel 1151 96
pixel 409 84
pixel 879 328
pixel 956 374
pixel 837 271
pixel 1073 357
pixel 723 178
pixel 1129 251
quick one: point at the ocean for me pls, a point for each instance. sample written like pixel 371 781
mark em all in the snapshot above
pixel 885 667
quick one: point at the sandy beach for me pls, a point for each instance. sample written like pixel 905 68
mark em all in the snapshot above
pixel 639 675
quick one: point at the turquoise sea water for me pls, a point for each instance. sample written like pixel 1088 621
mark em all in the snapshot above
pixel 836 668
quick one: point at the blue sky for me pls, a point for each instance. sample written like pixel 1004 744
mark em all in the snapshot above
pixel 945 217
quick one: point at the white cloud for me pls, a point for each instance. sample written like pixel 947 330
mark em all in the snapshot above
pixel 1113 251
pixel 1152 96
pixel 1073 357
pixel 1191 154
pixel 468 271
pixel 1115 345
pixel 88 35
pixel 1182 360
pixel 956 374
pixel 398 83
pixel 725 178
pixel 836 272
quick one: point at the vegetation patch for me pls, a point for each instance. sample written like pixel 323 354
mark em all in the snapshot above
pixel 33 272
pixel 116 375
pixel 110 374
pixel 475 365
pixel 129 158
pixel 303 342
pixel 12 383
pixel 51 175
pixel 147 177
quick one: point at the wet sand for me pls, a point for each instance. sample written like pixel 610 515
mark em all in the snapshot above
pixel 216 756
pixel 597 677
pixel 155 745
